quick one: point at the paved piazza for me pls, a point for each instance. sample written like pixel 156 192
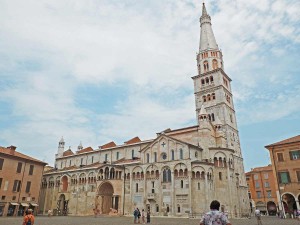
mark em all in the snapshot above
pixel 127 220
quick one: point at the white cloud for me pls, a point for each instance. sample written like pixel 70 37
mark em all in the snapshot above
pixel 49 49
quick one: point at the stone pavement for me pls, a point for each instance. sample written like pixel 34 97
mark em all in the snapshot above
pixel 60 220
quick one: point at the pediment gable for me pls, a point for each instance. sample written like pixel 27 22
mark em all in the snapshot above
pixel 166 142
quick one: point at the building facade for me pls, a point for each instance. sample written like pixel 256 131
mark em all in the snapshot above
pixel 20 180
pixel 285 157
pixel 262 190
pixel 177 173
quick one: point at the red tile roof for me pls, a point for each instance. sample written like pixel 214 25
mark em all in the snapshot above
pixel 108 145
pixel 125 161
pixel 68 152
pixel 12 152
pixel 260 169
pixel 133 140
pixel 286 141
pixel 88 149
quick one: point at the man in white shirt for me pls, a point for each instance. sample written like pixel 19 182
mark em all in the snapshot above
pixel 258 216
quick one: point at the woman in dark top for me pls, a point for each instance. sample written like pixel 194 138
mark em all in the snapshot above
pixel 148 216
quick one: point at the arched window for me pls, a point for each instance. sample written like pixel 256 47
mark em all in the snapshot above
pixel 209 117
pixel 132 154
pixel 178 208
pixel 181 153
pixel 198 186
pixel 205 65
pixel 181 183
pixel 207 80
pixel 208 97
pixel 148 158
pixel 167 175
pixel 213 95
pixel 211 79
pixel 220 175
pixel 155 156
pixel 213 117
pixel 136 187
pixel 173 155
pixel 215 64
pixel 204 98
pixel 202 81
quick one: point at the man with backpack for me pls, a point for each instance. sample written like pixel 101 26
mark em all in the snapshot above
pixel 29 218
pixel 214 217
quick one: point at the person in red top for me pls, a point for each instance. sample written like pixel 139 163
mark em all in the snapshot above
pixel 29 218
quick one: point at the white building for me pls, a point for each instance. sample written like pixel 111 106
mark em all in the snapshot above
pixel 178 172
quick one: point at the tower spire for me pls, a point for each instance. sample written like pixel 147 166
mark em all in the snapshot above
pixel 204 12
pixel 207 38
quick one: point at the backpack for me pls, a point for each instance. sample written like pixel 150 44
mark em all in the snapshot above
pixel 29 220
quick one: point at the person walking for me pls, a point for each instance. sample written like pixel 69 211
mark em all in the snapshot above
pixel 135 215
pixel 258 216
pixel 139 215
pixel 143 216
pixel 49 213
pixel 29 218
pixel 214 216
pixel 148 216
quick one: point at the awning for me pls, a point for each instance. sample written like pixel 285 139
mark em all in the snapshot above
pixel 25 204
pixel 14 203
pixel 34 204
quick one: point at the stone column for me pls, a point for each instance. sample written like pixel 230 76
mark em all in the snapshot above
pixel 297 204
pixel 173 191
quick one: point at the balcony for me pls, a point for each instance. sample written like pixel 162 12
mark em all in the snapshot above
pixel 151 196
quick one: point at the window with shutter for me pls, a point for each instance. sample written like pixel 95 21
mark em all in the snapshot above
pixel 280 157
pixel 28 186
pixel 19 168
pixel 1 163
pixel 284 177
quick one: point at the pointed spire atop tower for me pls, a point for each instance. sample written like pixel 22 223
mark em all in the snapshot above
pixel 204 12
pixel 80 147
pixel 61 147
pixel 207 38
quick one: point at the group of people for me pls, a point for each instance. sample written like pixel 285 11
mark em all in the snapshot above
pixel 137 216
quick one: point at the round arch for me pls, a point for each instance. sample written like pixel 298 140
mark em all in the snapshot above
pixel 105 193
pixel 289 202
pixel 271 208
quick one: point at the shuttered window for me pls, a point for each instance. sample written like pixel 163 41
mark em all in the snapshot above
pixel 284 177
pixel 28 186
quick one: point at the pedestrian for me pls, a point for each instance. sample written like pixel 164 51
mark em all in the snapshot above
pixel 214 216
pixel 148 216
pixel 143 216
pixel 135 215
pixel 29 218
pixel 139 215
pixel 258 217
pixel 49 213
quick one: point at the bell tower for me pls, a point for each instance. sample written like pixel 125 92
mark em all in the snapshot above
pixel 212 86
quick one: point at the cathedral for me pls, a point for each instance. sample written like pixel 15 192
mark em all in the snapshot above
pixel 177 173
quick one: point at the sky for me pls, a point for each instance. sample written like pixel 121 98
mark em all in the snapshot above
pixel 95 71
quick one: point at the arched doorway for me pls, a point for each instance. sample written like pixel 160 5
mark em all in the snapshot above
pixel 272 209
pixel 289 203
pixel 105 192
pixel 62 205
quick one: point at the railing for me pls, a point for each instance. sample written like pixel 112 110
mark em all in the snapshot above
pixel 151 195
